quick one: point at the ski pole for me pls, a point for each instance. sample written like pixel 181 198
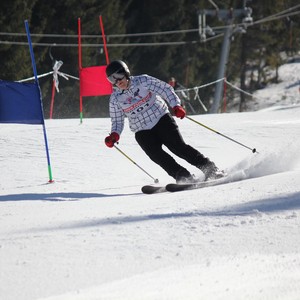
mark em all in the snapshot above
pixel 223 135
pixel 155 179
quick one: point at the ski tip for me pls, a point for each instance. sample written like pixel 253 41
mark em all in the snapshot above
pixel 145 190
pixel 175 187
pixel 152 189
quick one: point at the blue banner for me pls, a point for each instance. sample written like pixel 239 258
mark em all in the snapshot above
pixel 20 103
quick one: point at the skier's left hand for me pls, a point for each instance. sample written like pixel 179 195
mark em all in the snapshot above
pixel 179 111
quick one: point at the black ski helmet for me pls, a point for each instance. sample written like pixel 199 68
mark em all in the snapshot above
pixel 119 67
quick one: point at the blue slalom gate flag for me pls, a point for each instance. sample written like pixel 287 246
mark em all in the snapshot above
pixel 20 103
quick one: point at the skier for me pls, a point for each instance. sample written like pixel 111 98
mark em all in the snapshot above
pixel 140 99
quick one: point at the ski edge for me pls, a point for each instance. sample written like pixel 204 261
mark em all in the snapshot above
pixel 175 187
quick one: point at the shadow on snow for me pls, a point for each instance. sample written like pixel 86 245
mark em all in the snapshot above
pixel 270 205
pixel 57 196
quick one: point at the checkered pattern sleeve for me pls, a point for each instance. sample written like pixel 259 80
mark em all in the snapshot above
pixel 116 114
pixel 160 88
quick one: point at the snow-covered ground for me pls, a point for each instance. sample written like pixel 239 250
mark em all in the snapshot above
pixel 93 235
pixel 286 92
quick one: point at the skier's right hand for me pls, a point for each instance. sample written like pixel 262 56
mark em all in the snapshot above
pixel 111 139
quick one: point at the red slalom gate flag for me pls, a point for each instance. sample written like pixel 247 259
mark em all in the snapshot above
pixel 93 81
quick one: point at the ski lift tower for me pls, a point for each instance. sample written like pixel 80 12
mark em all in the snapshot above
pixel 228 16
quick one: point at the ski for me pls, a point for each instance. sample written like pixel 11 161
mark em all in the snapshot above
pixel 177 187
pixel 153 189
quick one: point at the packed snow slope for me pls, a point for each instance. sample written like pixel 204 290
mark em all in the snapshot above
pixel 92 234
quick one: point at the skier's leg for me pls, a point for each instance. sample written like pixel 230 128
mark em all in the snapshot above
pixel 152 146
pixel 171 137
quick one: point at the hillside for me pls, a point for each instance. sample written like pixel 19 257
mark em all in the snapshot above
pixel 92 234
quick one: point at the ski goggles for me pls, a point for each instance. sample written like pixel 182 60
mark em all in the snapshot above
pixel 115 78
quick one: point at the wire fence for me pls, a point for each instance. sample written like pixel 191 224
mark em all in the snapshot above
pixel 189 96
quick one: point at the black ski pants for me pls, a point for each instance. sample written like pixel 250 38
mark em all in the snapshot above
pixel 166 132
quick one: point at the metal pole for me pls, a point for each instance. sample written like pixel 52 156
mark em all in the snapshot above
pixel 223 135
pixel 155 179
pixel 222 68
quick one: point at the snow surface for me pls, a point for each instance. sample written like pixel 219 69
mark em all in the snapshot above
pixel 93 235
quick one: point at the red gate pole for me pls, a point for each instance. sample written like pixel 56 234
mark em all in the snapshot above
pixel 104 40
pixel 80 67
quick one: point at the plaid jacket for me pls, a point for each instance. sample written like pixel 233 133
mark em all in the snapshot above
pixel 143 103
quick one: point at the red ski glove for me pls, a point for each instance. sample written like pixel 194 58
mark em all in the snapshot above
pixel 179 111
pixel 111 139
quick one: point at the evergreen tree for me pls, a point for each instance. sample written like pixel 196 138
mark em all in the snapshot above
pixel 264 47
pixel 15 59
